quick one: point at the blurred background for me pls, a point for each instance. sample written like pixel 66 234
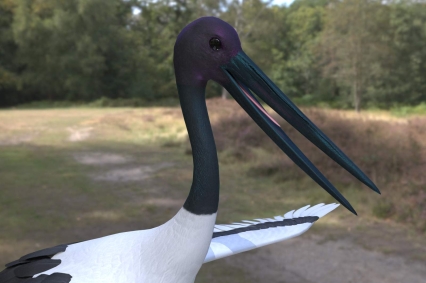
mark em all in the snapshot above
pixel 92 140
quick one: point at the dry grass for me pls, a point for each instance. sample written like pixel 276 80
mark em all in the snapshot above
pixel 50 191
pixel 392 151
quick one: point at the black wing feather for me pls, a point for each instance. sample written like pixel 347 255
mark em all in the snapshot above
pixel 39 279
pixel 49 252
pixel 36 267
pixel 57 278
pixel 16 262
pixel 23 269
pixel 266 225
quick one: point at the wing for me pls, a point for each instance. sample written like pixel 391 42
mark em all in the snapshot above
pixel 23 269
pixel 247 235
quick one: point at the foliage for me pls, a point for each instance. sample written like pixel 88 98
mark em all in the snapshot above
pixel 99 103
pixel 8 69
pixel 294 68
pixel 348 53
pixel 75 49
pixel 409 110
pixel 402 78
pixel 349 45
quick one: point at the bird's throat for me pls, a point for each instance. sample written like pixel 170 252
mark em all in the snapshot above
pixel 204 195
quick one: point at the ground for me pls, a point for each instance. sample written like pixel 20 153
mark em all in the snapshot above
pixel 73 174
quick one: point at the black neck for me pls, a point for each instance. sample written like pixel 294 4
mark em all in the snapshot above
pixel 204 195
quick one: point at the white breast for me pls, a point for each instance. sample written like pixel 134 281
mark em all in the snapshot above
pixel 170 253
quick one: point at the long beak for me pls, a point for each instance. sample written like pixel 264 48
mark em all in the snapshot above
pixel 246 77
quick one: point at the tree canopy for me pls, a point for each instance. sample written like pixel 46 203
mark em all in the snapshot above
pixel 346 53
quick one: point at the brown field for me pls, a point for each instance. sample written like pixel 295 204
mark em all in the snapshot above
pixel 390 150
pixel 68 175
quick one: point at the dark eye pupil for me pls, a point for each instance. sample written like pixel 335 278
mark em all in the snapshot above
pixel 215 44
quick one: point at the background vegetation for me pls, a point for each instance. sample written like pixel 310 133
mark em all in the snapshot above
pixel 347 53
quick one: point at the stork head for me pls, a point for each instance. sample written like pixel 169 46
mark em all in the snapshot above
pixel 210 49
pixel 201 48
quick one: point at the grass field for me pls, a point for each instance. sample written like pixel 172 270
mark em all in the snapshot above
pixel 68 175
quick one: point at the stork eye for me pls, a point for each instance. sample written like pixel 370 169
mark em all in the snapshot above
pixel 215 44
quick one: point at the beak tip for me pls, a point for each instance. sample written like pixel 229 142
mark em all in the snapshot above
pixel 349 207
pixel 377 190
pixel 372 186
pixel 353 211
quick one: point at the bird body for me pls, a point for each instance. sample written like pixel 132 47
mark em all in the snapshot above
pixel 206 49
pixel 170 253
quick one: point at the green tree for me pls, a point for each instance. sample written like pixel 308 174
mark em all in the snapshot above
pixel 295 67
pixel 8 67
pixel 401 76
pixel 350 46
pixel 79 49
pixel 315 50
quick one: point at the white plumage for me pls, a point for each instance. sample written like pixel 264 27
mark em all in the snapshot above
pixel 170 253
pixel 174 251
pixel 224 246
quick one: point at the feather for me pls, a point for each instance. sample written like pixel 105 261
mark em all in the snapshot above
pixel 23 269
pixel 228 241
pixel 35 267
pixel 289 215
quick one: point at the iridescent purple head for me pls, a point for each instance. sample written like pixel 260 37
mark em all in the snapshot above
pixel 201 48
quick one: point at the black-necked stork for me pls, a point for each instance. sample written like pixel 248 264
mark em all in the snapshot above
pixel 206 49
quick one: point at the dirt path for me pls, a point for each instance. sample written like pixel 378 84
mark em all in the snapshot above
pixel 308 260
